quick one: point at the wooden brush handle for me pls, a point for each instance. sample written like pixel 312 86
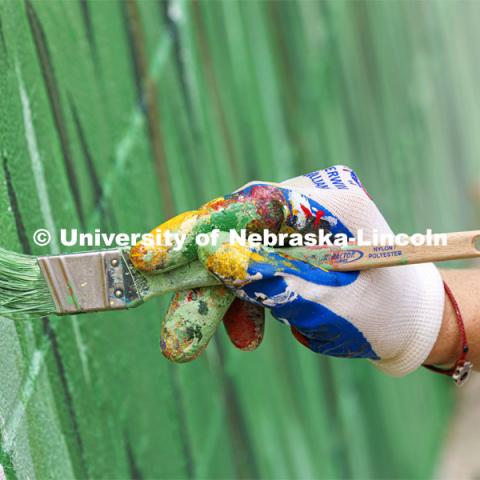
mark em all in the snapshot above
pixel 460 245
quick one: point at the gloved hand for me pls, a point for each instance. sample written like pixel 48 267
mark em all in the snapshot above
pixel 391 315
pixel 194 315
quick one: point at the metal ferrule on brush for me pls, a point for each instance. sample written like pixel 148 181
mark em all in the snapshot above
pixel 91 281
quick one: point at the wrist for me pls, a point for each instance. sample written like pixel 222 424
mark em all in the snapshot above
pixel 464 284
pixel 447 346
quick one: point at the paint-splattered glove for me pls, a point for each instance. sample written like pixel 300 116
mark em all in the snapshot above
pixel 390 315
pixel 194 315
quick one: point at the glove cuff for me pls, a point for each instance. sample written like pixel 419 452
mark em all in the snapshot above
pixel 427 315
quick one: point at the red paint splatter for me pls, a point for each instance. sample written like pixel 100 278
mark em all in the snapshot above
pixel 218 203
pixel 244 323
pixel 306 211
pixel 318 218
pixel 300 337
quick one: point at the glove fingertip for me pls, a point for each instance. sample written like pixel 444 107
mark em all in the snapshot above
pixel 191 320
pixel 245 324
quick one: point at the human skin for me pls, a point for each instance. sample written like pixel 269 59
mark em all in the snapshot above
pixel 465 286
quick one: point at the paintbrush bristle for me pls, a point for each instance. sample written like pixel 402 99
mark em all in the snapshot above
pixel 23 290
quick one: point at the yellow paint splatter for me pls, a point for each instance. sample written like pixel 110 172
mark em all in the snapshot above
pixel 151 255
pixel 230 262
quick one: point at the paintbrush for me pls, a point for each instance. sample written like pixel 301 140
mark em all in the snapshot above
pixel 76 283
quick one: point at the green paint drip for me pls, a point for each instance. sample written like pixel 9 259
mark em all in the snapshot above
pixel 71 298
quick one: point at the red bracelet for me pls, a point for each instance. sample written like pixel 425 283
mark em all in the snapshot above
pixel 462 368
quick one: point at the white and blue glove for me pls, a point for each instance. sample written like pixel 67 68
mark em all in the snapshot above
pixel 390 316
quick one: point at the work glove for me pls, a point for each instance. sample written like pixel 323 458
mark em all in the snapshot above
pixel 390 316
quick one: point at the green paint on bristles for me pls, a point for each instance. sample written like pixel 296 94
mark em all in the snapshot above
pixel 23 290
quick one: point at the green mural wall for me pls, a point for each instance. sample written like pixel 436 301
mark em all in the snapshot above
pixel 116 115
